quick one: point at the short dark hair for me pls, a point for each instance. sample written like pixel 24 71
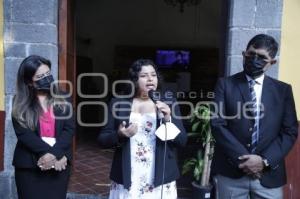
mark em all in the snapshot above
pixel 136 67
pixel 266 42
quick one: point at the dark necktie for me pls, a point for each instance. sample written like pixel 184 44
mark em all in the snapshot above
pixel 255 133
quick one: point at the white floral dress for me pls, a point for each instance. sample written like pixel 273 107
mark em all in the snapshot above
pixel 142 147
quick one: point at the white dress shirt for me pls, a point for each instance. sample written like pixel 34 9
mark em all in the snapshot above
pixel 257 87
pixel 258 92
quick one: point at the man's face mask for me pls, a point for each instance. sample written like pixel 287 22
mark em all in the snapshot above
pixel 254 64
pixel 44 83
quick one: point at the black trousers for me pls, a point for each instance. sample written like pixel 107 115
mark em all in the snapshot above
pixel 37 184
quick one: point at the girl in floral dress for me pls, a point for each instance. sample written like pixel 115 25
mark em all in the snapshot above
pixel 138 160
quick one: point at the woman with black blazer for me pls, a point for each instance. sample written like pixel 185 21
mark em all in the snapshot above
pixel 138 164
pixel 44 126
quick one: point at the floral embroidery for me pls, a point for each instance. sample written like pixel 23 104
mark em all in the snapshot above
pixel 148 127
pixel 169 187
pixel 146 188
pixel 142 154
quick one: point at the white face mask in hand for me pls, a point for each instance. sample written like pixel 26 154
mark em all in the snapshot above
pixel 172 131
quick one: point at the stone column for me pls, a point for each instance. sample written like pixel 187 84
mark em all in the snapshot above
pixel 30 27
pixel 246 19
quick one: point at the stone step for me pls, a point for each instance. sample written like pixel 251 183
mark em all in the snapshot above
pixel 90 196
pixel 84 196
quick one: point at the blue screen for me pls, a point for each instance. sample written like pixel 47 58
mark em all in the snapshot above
pixel 172 59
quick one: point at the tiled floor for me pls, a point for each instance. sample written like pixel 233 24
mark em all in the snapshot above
pixel 90 173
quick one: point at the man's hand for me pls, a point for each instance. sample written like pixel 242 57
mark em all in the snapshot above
pixel 252 165
pixel 46 162
pixel 130 131
pixel 60 164
pixel 256 175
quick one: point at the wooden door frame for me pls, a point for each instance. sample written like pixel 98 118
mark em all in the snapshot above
pixel 292 163
pixel 2 130
pixel 66 42
pixel 67 50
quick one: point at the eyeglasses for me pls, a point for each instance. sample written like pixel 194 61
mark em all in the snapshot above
pixel 254 54
pixel 40 76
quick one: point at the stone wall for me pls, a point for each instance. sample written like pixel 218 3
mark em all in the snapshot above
pixel 30 27
pixel 246 19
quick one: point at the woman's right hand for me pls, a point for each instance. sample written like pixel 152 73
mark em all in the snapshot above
pixel 46 162
pixel 130 131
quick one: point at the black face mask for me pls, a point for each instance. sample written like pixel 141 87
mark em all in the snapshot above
pixel 254 66
pixel 44 84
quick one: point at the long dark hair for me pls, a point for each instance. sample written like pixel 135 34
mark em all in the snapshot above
pixel 26 107
pixel 136 68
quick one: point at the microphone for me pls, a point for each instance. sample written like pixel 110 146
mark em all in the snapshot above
pixel 154 98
